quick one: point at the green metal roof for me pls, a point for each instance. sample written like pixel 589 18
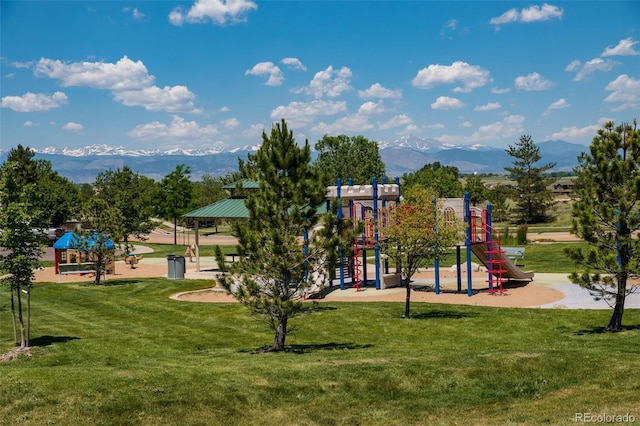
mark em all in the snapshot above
pixel 246 184
pixel 228 208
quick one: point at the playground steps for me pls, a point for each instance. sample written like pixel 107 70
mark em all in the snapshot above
pixel 496 265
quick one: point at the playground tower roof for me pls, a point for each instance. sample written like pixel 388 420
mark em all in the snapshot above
pixel 364 192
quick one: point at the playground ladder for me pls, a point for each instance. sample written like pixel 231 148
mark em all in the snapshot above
pixel 357 263
pixel 495 259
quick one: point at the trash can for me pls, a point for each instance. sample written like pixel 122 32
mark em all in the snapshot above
pixel 176 264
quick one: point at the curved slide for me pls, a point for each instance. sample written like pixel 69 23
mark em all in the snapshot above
pixel 512 271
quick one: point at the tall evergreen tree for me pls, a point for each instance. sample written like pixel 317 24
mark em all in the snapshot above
pixel 276 268
pixel 607 215
pixel 533 199
pixel 174 196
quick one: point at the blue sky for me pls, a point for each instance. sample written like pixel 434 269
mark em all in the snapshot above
pixel 211 73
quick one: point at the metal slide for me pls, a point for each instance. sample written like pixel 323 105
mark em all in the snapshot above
pixel 512 271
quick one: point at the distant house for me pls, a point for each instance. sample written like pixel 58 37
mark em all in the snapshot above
pixel 564 187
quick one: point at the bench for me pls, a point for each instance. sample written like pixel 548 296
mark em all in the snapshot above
pixel 77 268
pixel 516 254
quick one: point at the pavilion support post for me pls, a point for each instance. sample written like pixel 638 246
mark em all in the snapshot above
pixel 196 229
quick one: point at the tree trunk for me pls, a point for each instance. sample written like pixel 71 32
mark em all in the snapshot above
pixel 28 343
pixel 615 323
pixel 21 321
pixel 407 304
pixel 281 334
pixel 175 230
pixel 13 316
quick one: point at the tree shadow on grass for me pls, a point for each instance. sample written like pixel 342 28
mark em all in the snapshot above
pixel 603 330
pixel 304 349
pixel 440 314
pixel 49 340
pixel 114 282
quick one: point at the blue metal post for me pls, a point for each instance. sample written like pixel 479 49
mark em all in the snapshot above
pixel 376 245
pixel 340 250
pixel 467 219
pixel 436 262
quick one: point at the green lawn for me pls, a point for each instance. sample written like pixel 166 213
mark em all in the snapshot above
pixel 127 354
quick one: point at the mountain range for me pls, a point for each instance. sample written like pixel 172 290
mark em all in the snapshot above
pixel 404 155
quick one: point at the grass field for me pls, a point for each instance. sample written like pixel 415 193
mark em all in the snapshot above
pixel 126 354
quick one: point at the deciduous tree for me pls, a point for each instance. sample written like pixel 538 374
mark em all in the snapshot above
pixel 102 224
pixel 607 215
pixel 22 251
pixel 130 193
pixel 444 180
pixel 277 265
pixel 346 157
pixel 532 198
pixel 418 232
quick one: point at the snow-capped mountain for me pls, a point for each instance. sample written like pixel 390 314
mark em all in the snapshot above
pixel 403 155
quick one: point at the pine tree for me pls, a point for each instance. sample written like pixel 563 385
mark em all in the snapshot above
pixel 607 215
pixel 533 199
pixel 277 264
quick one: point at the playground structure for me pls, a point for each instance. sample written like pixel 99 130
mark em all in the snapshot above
pixel 370 203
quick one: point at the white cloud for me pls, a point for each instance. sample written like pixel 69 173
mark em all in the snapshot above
pixel 396 121
pixel 537 13
pixel 123 75
pixel 509 127
pixel 73 126
pixel 348 124
pixel 532 82
pixel 435 126
pixel 301 114
pixel 219 12
pixel 449 27
pixel 129 81
pixel 488 107
pixel 18 64
pixel 29 124
pixel 623 48
pixel 178 129
pixel 499 91
pixel 294 63
pixel 467 124
pixel 224 109
pixel 445 102
pixel 575 134
pixel 559 104
pixel 376 90
pixel 589 67
pixel 231 123
pixel 625 91
pixel 168 99
pixel 267 68
pixel 137 15
pixel 573 65
pixel 34 102
pixel 530 14
pixel 328 82
pixel 511 15
pixel 371 108
pixel 255 130
pixel 470 76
